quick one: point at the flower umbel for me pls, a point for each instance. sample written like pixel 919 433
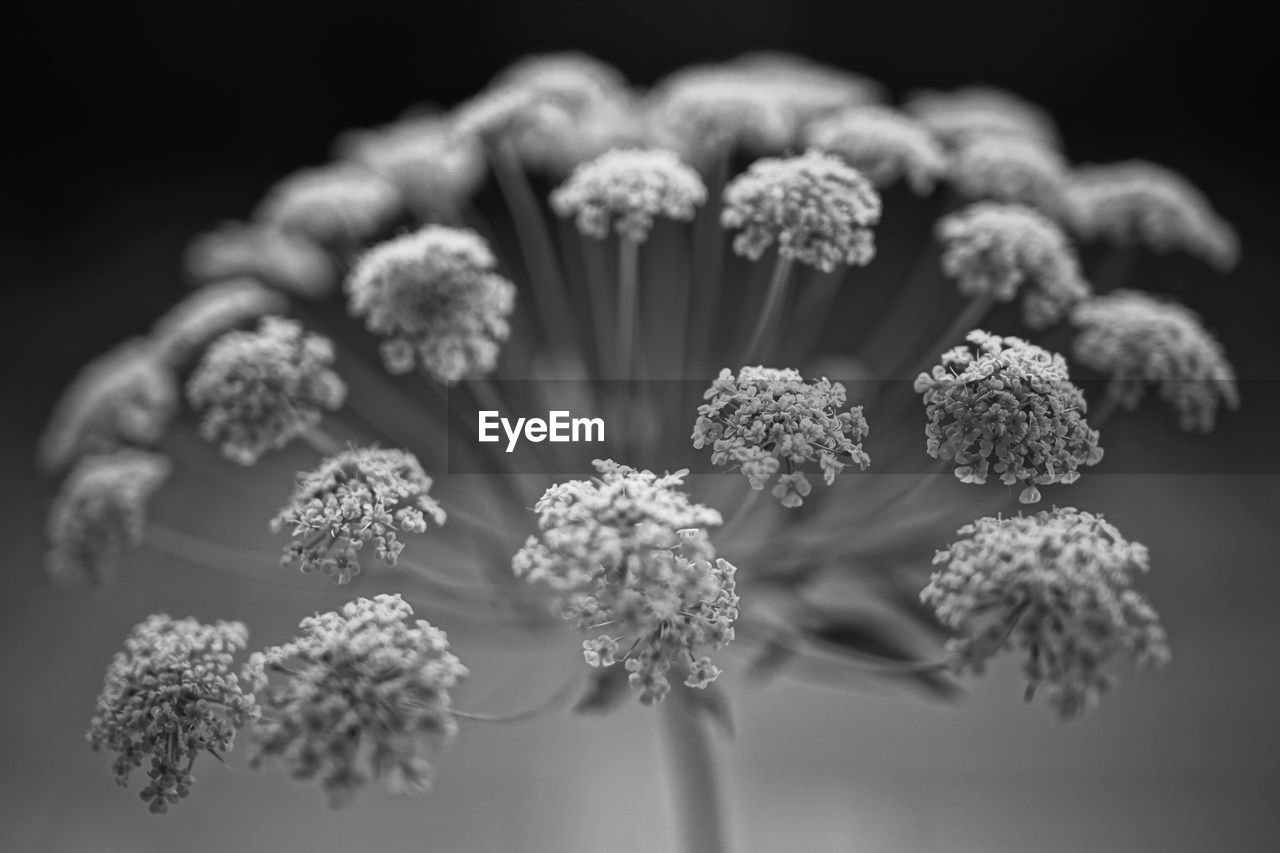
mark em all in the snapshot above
pixel 1140 202
pixel 628 551
pixel 1138 340
pixel 168 697
pixel 100 511
pixel 338 206
pixel 883 144
pixel 765 419
pixel 628 189
pixel 815 207
pixel 434 296
pixel 1014 169
pixel 187 328
pixel 1011 409
pixel 125 397
pixel 992 249
pixel 363 696
pixel 360 496
pixel 975 111
pixel 261 253
pixel 260 390
pixel 1057 587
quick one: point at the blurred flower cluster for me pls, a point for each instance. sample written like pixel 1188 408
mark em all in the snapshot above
pixel 643 245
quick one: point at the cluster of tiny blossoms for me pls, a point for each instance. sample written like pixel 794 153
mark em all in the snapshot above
pixel 1010 408
pixel 629 188
pixel 434 296
pixel 99 512
pixel 340 205
pixel 883 144
pixel 766 418
pixel 628 552
pixel 125 397
pixel 362 695
pixel 1138 340
pixel 1012 169
pixel 357 497
pixel 260 390
pixel 1136 202
pixel 1057 587
pixel 816 208
pixel 169 696
pixel 991 249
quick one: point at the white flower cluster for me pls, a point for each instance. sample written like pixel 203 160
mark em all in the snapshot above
pixel 339 206
pixel 99 512
pixel 629 188
pixel 1057 587
pixel 1140 202
pixel 260 390
pixel 362 695
pixel 1137 340
pixel 1014 169
pixel 991 249
pixel 628 552
pixel 360 496
pixel 168 698
pixel 435 297
pixel 125 397
pixel 1009 408
pixel 765 419
pixel 884 144
pixel 816 208
pixel 974 111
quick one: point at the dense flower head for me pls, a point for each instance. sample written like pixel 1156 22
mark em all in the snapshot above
pixel 362 696
pixel 765 420
pixel 186 329
pixel 1138 340
pixel 706 111
pixel 1007 407
pixel 1012 169
pixel 435 169
pixel 170 696
pixel 628 188
pixel 808 89
pixel 964 113
pixel 1140 202
pixel 434 295
pixel 127 396
pixel 1057 588
pixel 340 205
pixel 572 77
pixel 99 512
pixel 262 253
pixel 358 497
pixel 257 391
pixel 628 551
pixel 554 111
pixel 818 210
pixel 883 144
pixel 991 249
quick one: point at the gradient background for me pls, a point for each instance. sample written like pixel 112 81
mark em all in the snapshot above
pixel 132 129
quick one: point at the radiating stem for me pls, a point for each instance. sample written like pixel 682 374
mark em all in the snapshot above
pixel 628 297
pixel 692 765
pixel 708 262
pixel 771 313
pixel 535 242
pixel 321 442
pixel 811 314
pixel 964 322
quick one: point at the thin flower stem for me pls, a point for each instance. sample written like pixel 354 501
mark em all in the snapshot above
pixel 964 322
pixel 692 765
pixel 598 298
pixel 901 318
pixel 811 314
pixel 743 509
pixel 321 442
pixel 1105 411
pixel 555 702
pixel 771 313
pixel 905 495
pixel 628 297
pixel 535 242
pixel 708 262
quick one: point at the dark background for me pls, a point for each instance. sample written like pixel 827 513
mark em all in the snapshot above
pixel 131 127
